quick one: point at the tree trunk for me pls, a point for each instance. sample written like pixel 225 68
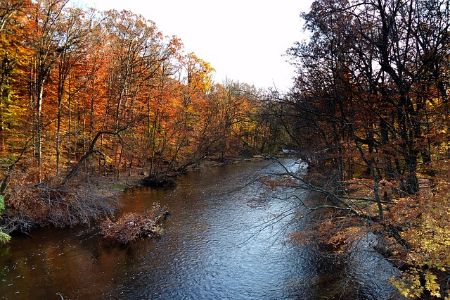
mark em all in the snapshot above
pixel 39 129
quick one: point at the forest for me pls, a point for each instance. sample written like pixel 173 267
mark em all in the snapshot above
pixel 370 104
pixel 86 93
pixel 108 93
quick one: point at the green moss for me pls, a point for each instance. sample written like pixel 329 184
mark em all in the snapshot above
pixel 4 238
pixel 119 187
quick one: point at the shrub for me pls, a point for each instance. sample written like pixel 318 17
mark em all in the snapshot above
pixel 132 226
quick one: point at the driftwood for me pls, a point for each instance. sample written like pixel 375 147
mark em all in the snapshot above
pixel 133 226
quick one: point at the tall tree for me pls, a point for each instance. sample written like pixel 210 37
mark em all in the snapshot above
pixel 47 47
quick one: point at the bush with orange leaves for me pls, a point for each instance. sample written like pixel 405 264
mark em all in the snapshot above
pixel 132 226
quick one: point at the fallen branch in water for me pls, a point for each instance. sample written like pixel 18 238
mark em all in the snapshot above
pixel 132 226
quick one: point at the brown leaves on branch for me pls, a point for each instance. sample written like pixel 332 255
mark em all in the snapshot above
pixel 329 232
pixel 133 226
pixel 425 221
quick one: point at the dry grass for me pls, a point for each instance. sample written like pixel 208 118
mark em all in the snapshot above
pixel 51 204
pixel 46 204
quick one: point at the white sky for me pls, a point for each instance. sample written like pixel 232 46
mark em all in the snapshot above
pixel 243 40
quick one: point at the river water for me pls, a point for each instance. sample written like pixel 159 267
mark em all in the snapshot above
pixel 226 238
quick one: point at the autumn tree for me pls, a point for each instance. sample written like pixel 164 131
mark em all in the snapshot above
pixel 361 76
pixel 90 92
pixel 370 80
pixel 46 46
pixel 14 56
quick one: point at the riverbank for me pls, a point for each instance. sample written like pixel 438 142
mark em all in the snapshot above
pixel 412 231
pixel 85 200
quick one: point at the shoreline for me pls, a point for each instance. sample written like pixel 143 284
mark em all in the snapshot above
pixel 87 201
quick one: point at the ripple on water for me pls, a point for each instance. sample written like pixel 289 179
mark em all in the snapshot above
pixel 225 239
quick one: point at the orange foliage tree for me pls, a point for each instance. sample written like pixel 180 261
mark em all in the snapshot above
pixel 107 92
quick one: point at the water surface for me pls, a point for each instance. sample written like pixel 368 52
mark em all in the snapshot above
pixel 226 239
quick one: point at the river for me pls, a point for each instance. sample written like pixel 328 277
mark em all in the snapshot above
pixel 226 238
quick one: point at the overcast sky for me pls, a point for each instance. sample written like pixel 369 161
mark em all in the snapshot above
pixel 244 40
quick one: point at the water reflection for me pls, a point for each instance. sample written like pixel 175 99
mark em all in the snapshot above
pixel 225 240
